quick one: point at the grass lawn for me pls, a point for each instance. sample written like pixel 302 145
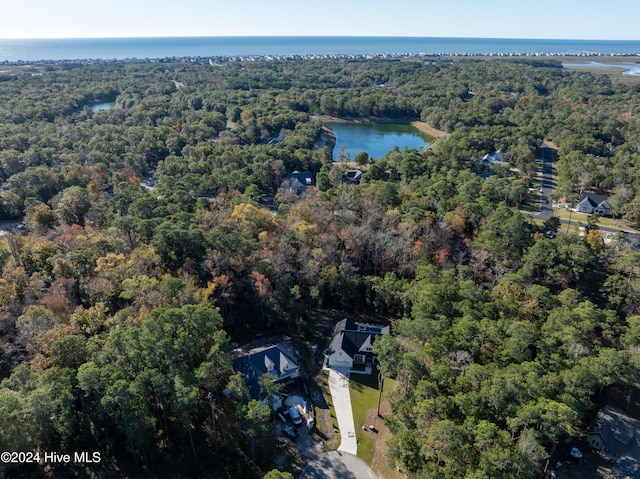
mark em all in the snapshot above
pixel 334 443
pixel 364 398
pixel 583 218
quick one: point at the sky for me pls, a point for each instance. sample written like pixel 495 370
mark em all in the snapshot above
pixel 553 19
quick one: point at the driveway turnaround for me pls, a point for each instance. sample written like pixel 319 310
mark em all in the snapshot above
pixel 339 387
pixel 338 465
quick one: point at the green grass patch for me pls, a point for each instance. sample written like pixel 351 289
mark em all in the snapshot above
pixel 334 443
pixel 363 389
pixel 582 219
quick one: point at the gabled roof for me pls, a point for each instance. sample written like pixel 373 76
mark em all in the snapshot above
pixel 615 427
pixel 275 360
pixel 620 433
pixel 353 176
pixel 494 158
pixel 593 200
pixel 354 338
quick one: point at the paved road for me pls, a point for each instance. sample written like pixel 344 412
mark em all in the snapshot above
pixel 548 157
pixel 339 387
pixel 338 465
pixel 580 219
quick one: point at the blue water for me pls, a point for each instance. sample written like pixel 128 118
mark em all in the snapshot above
pixel 375 139
pixel 633 70
pixel 101 107
pixel 151 48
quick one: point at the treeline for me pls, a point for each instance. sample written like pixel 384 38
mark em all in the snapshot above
pixel 148 251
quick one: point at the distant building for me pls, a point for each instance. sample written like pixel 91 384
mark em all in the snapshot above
pixel 616 436
pixel 275 360
pixel 588 203
pixel 494 158
pixel 352 345
pixel 353 177
pixel 299 181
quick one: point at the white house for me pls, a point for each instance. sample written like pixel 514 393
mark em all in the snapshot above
pixel 352 345
pixel 588 203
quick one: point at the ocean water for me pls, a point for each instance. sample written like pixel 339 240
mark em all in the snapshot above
pixel 152 48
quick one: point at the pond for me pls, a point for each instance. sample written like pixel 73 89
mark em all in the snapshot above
pixel 374 138
pixel 101 106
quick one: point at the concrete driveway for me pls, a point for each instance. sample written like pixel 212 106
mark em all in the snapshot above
pixel 339 387
pixel 338 465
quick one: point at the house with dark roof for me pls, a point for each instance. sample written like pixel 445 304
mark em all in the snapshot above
pixel 352 345
pixel 276 360
pixel 588 203
pixel 299 181
pixel 353 177
pixel 616 436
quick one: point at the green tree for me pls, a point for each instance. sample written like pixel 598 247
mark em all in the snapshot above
pixel 256 419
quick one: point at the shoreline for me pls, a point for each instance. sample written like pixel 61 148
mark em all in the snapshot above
pixel 429 130
pixel 419 125
pixel 218 59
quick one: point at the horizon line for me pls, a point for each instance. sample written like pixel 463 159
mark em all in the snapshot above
pixel 127 37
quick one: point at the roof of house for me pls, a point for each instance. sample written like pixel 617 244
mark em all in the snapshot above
pixel 494 158
pixel 352 337
pixel 301 179
pixel 275 360
pixel 353 176
pixel 593 200
pixel 621 434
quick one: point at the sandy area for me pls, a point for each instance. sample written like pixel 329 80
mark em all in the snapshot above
pixel 348 119
pixel 429 130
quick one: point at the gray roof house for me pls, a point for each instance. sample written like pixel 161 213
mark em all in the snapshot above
pixel 276 360
pixel 299 181
pixel 494 158
pixel 352 345
pixel 617 437
pixel 588 203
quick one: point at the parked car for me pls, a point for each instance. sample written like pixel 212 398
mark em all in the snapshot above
pixel 290 431
pixel 295 415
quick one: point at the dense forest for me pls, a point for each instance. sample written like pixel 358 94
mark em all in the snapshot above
pixel 152 244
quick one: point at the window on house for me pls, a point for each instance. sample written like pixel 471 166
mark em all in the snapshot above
pixel 358 358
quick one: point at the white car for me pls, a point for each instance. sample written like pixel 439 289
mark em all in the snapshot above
pixel 295 415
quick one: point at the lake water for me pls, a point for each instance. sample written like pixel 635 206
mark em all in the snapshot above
pixel 376 139
pixel 101 106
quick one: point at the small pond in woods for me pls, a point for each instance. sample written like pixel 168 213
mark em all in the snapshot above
pixel 377 139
